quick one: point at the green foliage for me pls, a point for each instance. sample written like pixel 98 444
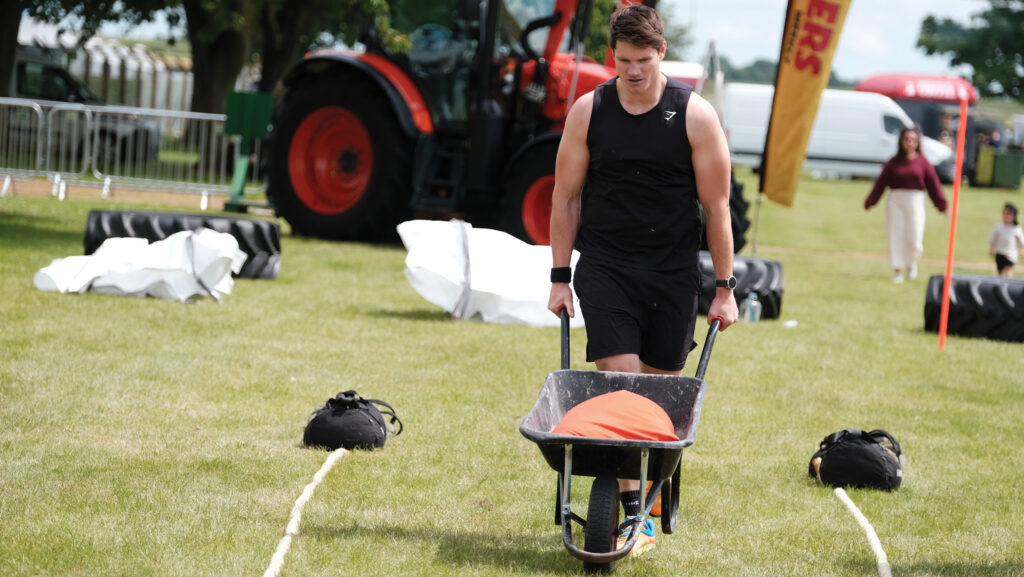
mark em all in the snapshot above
pixel 677 36
pixel 763 71
pixel 148 437
pixel 88 15
pixel 596 44
pixel 992 45
pixel 760 71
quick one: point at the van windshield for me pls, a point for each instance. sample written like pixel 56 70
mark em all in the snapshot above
pixel 46 82
pixel 893 125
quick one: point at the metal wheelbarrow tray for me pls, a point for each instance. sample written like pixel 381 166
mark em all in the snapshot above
pixel 610 459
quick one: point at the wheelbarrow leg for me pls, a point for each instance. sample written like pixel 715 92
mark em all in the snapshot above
pixel 558 501
pixel 565 487
pixel 645 455
pixel 670 502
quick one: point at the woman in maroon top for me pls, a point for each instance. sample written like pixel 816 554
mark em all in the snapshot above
pixel 908 175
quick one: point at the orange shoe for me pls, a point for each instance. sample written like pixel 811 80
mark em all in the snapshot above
pixel 644 541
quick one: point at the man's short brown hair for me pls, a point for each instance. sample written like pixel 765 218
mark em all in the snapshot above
pixel 638 25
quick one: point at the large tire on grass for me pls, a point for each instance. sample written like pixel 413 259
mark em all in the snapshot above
pixel 260 240
pixel 526 202
pixel 738 207
pixel 989 307
pixel 601 532
pixel 340 163
pixel 756 275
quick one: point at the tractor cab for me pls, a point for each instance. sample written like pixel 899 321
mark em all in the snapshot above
pixel 458 52
pixel 483 71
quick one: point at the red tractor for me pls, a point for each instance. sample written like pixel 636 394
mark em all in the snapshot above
pixel 465 123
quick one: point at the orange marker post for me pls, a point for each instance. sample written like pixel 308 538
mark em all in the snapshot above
pixel 961 135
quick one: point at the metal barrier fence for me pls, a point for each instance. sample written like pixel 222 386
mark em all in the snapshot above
pixel 118 146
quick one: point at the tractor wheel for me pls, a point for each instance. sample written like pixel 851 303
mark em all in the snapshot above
pixel 601 532
pixel 990 307
pixel 526 203
pixel 738 207
pixel 753 275
pixel 340 164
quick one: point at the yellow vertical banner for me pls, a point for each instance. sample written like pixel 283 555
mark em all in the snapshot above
pixel 805 63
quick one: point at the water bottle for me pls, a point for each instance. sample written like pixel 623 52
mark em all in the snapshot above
pixel 750 309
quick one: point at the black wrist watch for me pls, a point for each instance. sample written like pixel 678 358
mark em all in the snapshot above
pixel 728 282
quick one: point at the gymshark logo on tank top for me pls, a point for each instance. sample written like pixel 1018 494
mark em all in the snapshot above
pixel 669 114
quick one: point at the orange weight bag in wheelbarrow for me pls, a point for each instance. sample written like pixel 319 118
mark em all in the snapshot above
pixel 618 415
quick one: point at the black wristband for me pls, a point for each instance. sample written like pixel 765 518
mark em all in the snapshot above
pixel 561 274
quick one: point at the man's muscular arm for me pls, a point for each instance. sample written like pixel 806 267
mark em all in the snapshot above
pixel 713 174
pixel 570 173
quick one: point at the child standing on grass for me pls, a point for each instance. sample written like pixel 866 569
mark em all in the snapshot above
pixel 1004 240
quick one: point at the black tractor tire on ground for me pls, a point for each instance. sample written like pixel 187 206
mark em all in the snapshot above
pixel 260 240
pixel 526 200
pixel 756 275
pixel 989 307
pixel 340 165
pixel 601 532
pixel 738 208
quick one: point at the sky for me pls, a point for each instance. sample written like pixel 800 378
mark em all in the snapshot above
pixel 879 36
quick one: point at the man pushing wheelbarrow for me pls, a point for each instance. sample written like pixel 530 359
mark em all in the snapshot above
pixel 637 155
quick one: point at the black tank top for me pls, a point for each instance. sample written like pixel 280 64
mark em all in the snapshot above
pixel 639 202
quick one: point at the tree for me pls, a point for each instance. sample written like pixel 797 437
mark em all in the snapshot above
pixel 286 30
pixel 596 43
pixel 763 71
pixel 226 35
pixel 993 46
pixel 86 16
pixel 219 32
pixel 10 21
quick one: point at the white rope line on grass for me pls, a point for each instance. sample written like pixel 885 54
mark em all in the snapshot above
pixel 277 560
pixel 883 562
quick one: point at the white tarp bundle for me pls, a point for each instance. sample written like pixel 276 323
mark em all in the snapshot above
pixel 479 273
pixel 181 267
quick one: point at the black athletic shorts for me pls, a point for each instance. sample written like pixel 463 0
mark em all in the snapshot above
pixel 647 313
pixel 1002 262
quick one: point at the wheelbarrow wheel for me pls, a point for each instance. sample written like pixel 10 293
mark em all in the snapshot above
pixel 602 522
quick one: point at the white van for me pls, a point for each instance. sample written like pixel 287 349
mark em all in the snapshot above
pixel 854 133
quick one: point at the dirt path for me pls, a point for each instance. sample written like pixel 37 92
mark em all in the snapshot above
pixel 39 187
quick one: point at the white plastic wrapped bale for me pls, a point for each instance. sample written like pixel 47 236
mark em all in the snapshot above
pixel 184 266
pixel 480 274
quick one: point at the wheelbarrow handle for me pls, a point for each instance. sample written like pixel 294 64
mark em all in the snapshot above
pixel 564 314
pixel 709 342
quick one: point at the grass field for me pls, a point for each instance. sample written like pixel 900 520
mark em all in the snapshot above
pixel 141 437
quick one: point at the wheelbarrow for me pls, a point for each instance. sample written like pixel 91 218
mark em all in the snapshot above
pixel 608 460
